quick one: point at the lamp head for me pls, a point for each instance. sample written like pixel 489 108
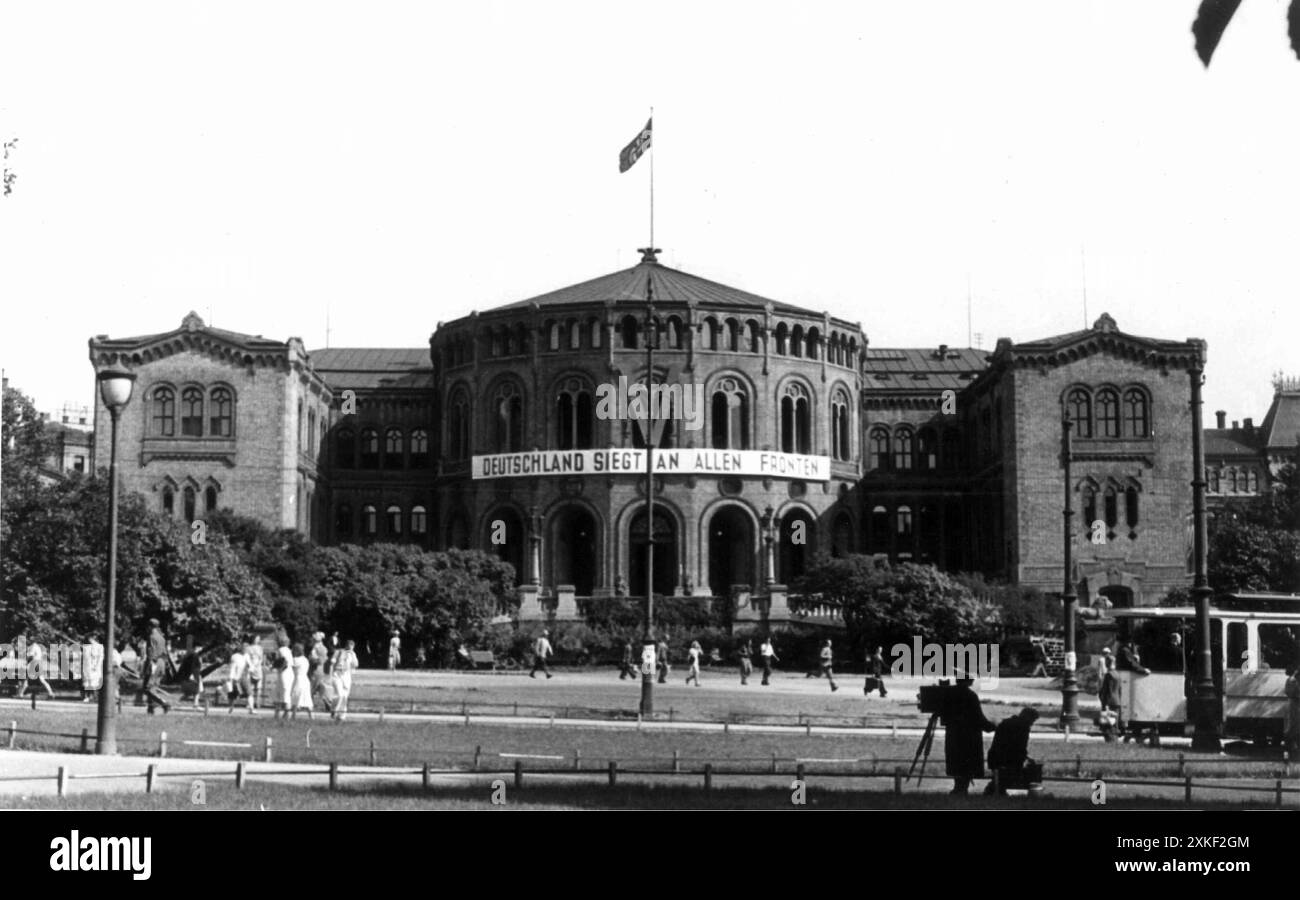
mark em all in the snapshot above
pixel 115 387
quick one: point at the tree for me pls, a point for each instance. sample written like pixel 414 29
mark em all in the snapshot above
pixel 1247 556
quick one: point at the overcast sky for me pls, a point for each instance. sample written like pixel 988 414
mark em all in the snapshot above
pixel 398 164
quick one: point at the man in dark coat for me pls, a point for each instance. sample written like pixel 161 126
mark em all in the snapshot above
pixel 154 662
pixel 1010 750
pixel 963 736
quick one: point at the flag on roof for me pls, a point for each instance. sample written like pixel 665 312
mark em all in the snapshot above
pixel 632 152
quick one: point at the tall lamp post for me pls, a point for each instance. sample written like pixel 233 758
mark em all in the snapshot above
pixel 1203 706
pixel 115 387
pixel 1070 596
pixel 648 649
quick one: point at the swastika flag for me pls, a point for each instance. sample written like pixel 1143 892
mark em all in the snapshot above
pixel 632 152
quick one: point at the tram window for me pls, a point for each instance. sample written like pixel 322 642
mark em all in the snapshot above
pixel 1160 644
pixel 1236 645
pixel 1279 646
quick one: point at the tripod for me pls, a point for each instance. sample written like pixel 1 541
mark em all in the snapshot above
pixel 923 750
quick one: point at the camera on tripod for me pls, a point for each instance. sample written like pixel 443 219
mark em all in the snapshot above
pixel 934 698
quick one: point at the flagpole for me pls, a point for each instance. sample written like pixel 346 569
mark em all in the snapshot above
pixel 652 179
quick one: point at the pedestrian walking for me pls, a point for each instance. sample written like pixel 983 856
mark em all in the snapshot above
pixel 282 665
pixel 661 659
pixel 768 653
pixel 190 672
pixel 238 684
pixel 36 668
pixel 394 650
pixel 155 662
pixel 876 678
pixel 256 669
pixel 746 662
pixel 300 697
pixel 626 668
pixel 92 669
pixel 694 655
pixel 342 665
pixel 541 651
pixel 319 658
pixel 828 664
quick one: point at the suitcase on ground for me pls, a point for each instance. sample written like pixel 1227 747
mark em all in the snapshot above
pixel 872 684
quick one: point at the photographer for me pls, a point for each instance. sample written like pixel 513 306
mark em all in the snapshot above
pixel 963 737
pixel 1010 750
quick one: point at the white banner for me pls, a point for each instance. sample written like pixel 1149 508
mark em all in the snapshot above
pixel 756 463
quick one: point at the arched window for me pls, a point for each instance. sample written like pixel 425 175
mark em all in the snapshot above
pixel 1252 481
pixel 850 359
pixel 343 521
pixel 507 340
pixel 1131 507
pixel 311 432
pixel 553 336
pixel 1137 420
pixel 492 337
pixel 191 502
pixel 369 520
pixel 814 342
pixel 221 413
pixel 711 333
pixel 674 333
pixel 574 415
pixel 575 335
pixel 1112 508
pixel 169 501
pixel 880 456
pixel 927 450
pixel 521 339
pixel 905 521
pixel 879 529
pixel 508 417
pixel 1107 413
pixel 192 412
pixel 394 448
pixel 733 335
pixel 782 339
pixel 393 520
pixel 752 337
pixel 629 327
pixel 902 449
pixel 1212 479
pixel 594 327
pixel 841 443
pixel 369 448
pixel 1089 512
pixel 1078 405
pixel 164 412
pixel 345 448
pixel 951 450
pixel 210 499
pixel 796 341
pixel 458 426
pixel 729 414
pixel 796 420
pixel 419 520
pixel 324 431
pixel 419 449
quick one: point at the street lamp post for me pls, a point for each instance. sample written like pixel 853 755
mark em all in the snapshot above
pixel 648 651
pixel 1204 704
pixel 115 389
pixel 1070 596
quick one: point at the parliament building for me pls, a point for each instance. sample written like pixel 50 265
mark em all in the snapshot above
pixel 804 439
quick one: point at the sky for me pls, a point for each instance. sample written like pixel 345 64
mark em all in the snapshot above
pixel 385 166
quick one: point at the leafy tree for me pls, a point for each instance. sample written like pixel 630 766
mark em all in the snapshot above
pixel 1245 556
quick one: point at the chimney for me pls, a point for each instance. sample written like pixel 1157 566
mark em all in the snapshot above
pixel 1250 425
pixel 1222 416
pixel 1236 426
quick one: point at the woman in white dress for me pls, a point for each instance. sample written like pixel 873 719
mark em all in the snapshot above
pixel 284 668
pixel 301 697
pixel 341 667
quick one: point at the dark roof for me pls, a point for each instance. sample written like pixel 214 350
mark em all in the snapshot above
pixel 1104 325
pixel 1232 442
pixel 669 285
pixel 1281 426
pixel 191 323
pixel 373 367
pixel 921 369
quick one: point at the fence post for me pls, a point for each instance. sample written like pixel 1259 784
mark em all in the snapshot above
pixel 381 715
pixel 808 728
pixel 1277 794
pixel 898 780
pixel 412 707
pixel 85 740
pixel 799 772
pixel 996 781
pixel 774 763
pixel 478 752
pixel 677 761
pixel 1078 765
pixel 519 773
pixel 894 729
pixel 1066 728
pixel 205 705
pixel 13 733
pixel 150 774
pixel 239 776
pixel 577 760
pixel 613 773
pixel 268 753
pixel 1187 789
pixel 1182 764
pixel 515 714
pixel 670 714
pixel 424 777
pixel 63 781
pixel 162 745
pixel 334 776
pixel 372 752
pixel 726 728
pixel 708 776
pixel 33 699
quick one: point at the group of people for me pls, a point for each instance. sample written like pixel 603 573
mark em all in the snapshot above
pixel 965 725
pixel 299 677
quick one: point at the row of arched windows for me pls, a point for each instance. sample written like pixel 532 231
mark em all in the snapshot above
pixel 203 412
pixel 1232 480
pixel 189 505
pixel 905 449
pixel 393 449
pixel 1108 512
pixel 1109 412
pixel 729 334
pixel 395 521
